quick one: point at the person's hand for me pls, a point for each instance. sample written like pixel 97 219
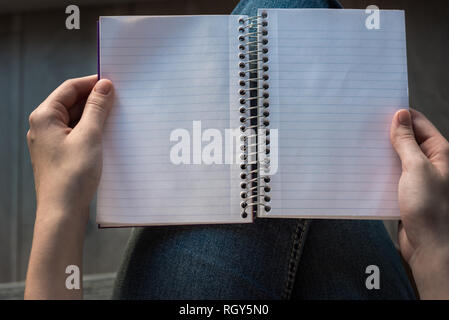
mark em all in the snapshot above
pixel 65 143
pixel 66 153
pixel 423 201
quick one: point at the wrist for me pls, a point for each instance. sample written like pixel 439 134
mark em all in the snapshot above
pixel 58 241
pixel 63 197
pixel 57 213
pixel 430 269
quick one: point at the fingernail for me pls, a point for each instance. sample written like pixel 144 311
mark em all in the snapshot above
pixel 404 118
pixel 103 86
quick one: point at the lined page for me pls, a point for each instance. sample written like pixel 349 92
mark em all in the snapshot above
pixel 168 73
pixel 334 88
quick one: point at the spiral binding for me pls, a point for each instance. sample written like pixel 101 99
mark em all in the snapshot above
pixel 254 113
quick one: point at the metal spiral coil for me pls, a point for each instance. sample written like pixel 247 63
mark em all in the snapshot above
pixel 254 112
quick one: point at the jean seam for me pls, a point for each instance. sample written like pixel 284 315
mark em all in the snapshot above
pixel 295 256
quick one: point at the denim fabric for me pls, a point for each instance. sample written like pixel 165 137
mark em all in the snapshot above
pixel 249 7
pixel 269 259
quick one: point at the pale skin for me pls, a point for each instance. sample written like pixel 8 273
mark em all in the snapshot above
pixel 67 167
pixel 65 142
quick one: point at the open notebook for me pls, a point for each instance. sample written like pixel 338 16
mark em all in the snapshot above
pixel 222 118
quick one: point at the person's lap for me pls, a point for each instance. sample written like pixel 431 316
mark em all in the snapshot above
pixel 240 261
pixel 269 259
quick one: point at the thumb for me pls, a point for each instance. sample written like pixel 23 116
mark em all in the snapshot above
pixel 403 139
pixel 98 105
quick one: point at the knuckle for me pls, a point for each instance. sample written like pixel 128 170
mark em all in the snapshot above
pixel 34 117
pixel 69 83
pixel 406 136
pixel 400 136
pixel 29 136
pixel 69 86
pixel 96 103
pixel 38 115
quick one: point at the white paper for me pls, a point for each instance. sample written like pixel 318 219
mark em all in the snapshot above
pixel 167 73
pixel 334 88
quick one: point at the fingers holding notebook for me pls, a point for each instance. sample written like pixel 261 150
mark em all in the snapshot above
pixel 423 200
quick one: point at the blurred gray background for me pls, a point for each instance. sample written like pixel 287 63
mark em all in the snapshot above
pixel 37 53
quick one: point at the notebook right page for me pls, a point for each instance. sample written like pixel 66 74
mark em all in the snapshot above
pixel 336 79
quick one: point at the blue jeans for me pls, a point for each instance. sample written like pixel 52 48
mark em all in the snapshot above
pixel 269 259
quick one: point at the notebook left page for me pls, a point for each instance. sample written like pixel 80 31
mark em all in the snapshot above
pixel 176 83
